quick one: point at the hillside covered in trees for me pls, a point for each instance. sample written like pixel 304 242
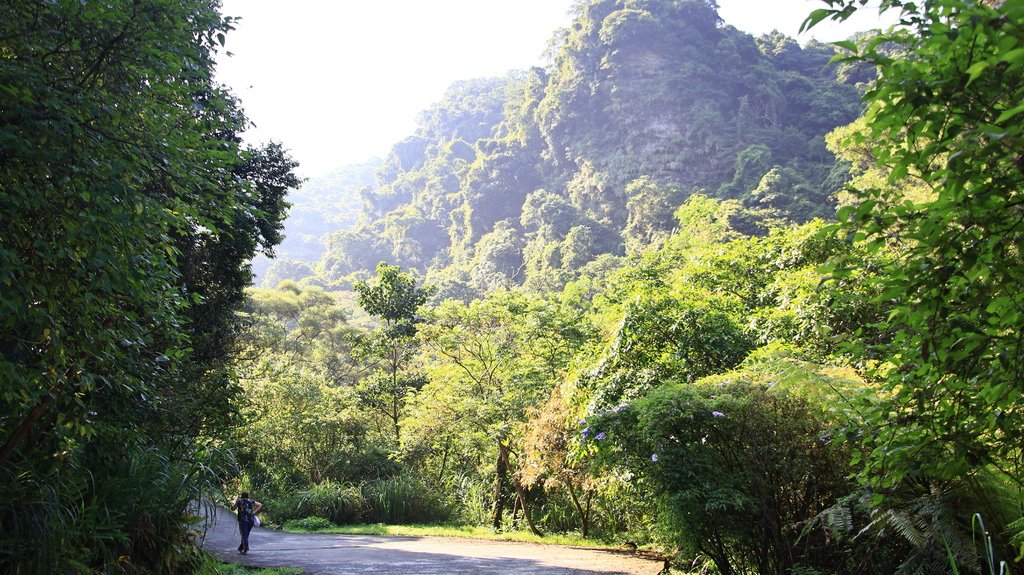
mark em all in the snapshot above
pixel 527 178
pixel 320 206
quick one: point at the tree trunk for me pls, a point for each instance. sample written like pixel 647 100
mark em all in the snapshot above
pixel 396 408
pixel 514 519
pixel 396 416
pixel 526 509
pixel 584 512
pixel 25 427
pixel 444 463
pixel 501 473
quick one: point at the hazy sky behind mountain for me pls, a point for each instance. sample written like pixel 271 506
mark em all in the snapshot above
pixel 340 81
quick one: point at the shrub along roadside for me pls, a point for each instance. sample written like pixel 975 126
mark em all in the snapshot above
pixel 742 465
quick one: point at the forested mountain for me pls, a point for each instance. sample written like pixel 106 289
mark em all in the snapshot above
pixel 527 178
pixel 322 205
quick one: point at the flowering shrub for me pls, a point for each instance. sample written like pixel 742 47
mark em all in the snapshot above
pixel 739 467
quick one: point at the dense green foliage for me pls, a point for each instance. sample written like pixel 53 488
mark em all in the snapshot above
pixel 323 405
pixel 507 376
pixel 297 370
pixel 739 463
pixel 607 306
pixel 953 123
pixel 947 118
pixel 129 214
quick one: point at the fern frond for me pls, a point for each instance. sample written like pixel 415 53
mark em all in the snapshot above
pixel 909 527
pixel 839 519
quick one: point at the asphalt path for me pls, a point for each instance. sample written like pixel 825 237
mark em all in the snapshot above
pixel 326 554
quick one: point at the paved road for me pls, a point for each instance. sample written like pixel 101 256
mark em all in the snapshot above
pixel 322 554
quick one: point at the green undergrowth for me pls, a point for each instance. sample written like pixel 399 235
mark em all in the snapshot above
pixel 466 531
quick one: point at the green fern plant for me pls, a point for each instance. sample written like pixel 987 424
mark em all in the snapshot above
pixel 1016 529
pixel 101 514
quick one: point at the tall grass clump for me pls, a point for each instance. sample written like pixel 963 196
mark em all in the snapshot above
pixel 339 503
pixel 102 514
pixel 469 498
pixel 401 500
pixel 390 500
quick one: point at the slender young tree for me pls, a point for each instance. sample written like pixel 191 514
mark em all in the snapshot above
pixel 395 299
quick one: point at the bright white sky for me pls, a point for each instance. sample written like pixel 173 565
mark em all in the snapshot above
pixel 340 81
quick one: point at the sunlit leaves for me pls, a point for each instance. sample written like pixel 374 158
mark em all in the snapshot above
pixel 395 299
pixel 945 117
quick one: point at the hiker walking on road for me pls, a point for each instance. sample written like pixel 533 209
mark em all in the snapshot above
pixel 247 510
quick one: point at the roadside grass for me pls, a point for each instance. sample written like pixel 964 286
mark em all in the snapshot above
pixel 464 531
pixel 218 568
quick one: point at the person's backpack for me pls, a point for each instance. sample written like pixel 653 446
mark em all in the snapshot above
pixel 245 509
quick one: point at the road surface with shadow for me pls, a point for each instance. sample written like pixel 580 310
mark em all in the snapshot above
pixel 325 554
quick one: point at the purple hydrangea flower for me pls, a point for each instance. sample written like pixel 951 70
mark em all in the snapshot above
pixel 654 457
pixel 717 414
pixel 620 407
pixel 599 436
